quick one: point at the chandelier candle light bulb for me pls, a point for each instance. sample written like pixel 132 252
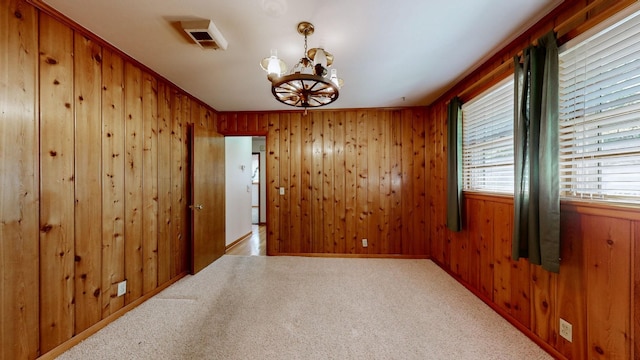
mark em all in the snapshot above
pixel 307 85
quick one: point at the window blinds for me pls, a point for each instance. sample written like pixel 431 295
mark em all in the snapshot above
pixel 487 140
pixel 600 115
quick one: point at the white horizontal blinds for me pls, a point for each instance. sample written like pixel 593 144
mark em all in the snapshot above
pixel 600 115
pixel 487 140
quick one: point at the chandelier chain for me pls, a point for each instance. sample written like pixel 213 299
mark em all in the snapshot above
pixel 305 45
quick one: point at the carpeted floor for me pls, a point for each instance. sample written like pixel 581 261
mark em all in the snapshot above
pixel 249 307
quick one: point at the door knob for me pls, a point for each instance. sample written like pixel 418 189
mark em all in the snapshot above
pixel 197 207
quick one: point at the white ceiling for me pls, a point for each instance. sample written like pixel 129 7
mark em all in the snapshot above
pixel 389 53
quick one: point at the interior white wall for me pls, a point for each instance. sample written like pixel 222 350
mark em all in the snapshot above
pixel 238 187
pixel 259 144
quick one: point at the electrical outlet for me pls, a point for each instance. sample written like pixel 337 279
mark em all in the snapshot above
pixel 566 330
pixel 122 288
pixel 365 243
pixel 282 191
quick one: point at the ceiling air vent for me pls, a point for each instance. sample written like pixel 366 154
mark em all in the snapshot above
pixel 205 34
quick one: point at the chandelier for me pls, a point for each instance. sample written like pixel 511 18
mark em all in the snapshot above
pixel 309 84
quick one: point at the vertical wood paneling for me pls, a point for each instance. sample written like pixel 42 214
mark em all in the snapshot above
pixel 328 185
pixel 317 221
pixel 383 209
pixel 431 181
pixel 348 175
pixel 263 124
pixel 19 336
pixel 608 272
pixel 177 183
pixel 406 125
pixel 94 148
pixel 441 233
pixel 133 230
pixel 113 158
pixel 88 183
pixel 339 180
pixel 440 180
pixel 362 168
pixel 295 185
pixel 252 122
pixel 374 153
pixel 475 210
pixel 273 185
pixel 305 185
pixel 351 181
pixel 502 233
pixel 521 292
pixel 395 235
pixel 427 119
pixel 150 182
pixel 164 182
pixel 459 250
pixel 283 163
pixel 486 238
pixel 543 304
pixel 419 185
pixel 571 285
pixel 242 123
pixel 57 184
pixel 182 209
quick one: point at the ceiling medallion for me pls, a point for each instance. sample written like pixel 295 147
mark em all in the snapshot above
pixel 309 84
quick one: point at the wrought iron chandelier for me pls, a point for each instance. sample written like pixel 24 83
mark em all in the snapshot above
pixel 309 84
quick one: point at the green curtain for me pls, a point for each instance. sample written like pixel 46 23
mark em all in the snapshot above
pixel 454 165
pixel 536 231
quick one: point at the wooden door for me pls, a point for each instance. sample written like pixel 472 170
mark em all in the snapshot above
pixel 207 197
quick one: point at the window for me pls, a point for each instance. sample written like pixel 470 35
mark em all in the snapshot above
pixel 600 115
pixel 487 140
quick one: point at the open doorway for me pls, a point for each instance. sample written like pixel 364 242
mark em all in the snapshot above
pixel 259 146
pixel 246 215
pixel 255 188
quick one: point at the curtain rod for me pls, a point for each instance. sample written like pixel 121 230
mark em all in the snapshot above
pixel 508 64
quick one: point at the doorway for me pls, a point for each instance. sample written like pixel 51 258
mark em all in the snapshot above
pixel 259 147
pixel 245 174
pixel 255 188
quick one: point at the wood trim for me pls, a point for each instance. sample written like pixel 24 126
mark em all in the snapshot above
pixel 610 209
pixel 359 256
pixel 500 70
pixel 57 351
pixel 562 29
pixel 621 211
pixel 502 198
pixel 575 17
pixel 243 237
pixel 311 111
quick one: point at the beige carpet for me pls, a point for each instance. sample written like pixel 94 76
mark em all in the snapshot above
pixel 243 307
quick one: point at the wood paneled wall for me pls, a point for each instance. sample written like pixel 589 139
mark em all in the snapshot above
pixel 347 175
pixel 594 290
pixel 597 287
pixel 94 179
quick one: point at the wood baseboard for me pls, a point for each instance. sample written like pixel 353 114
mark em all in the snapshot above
pixel 238 241
pixel 58 350
pixel 523 329
pixel 363 256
